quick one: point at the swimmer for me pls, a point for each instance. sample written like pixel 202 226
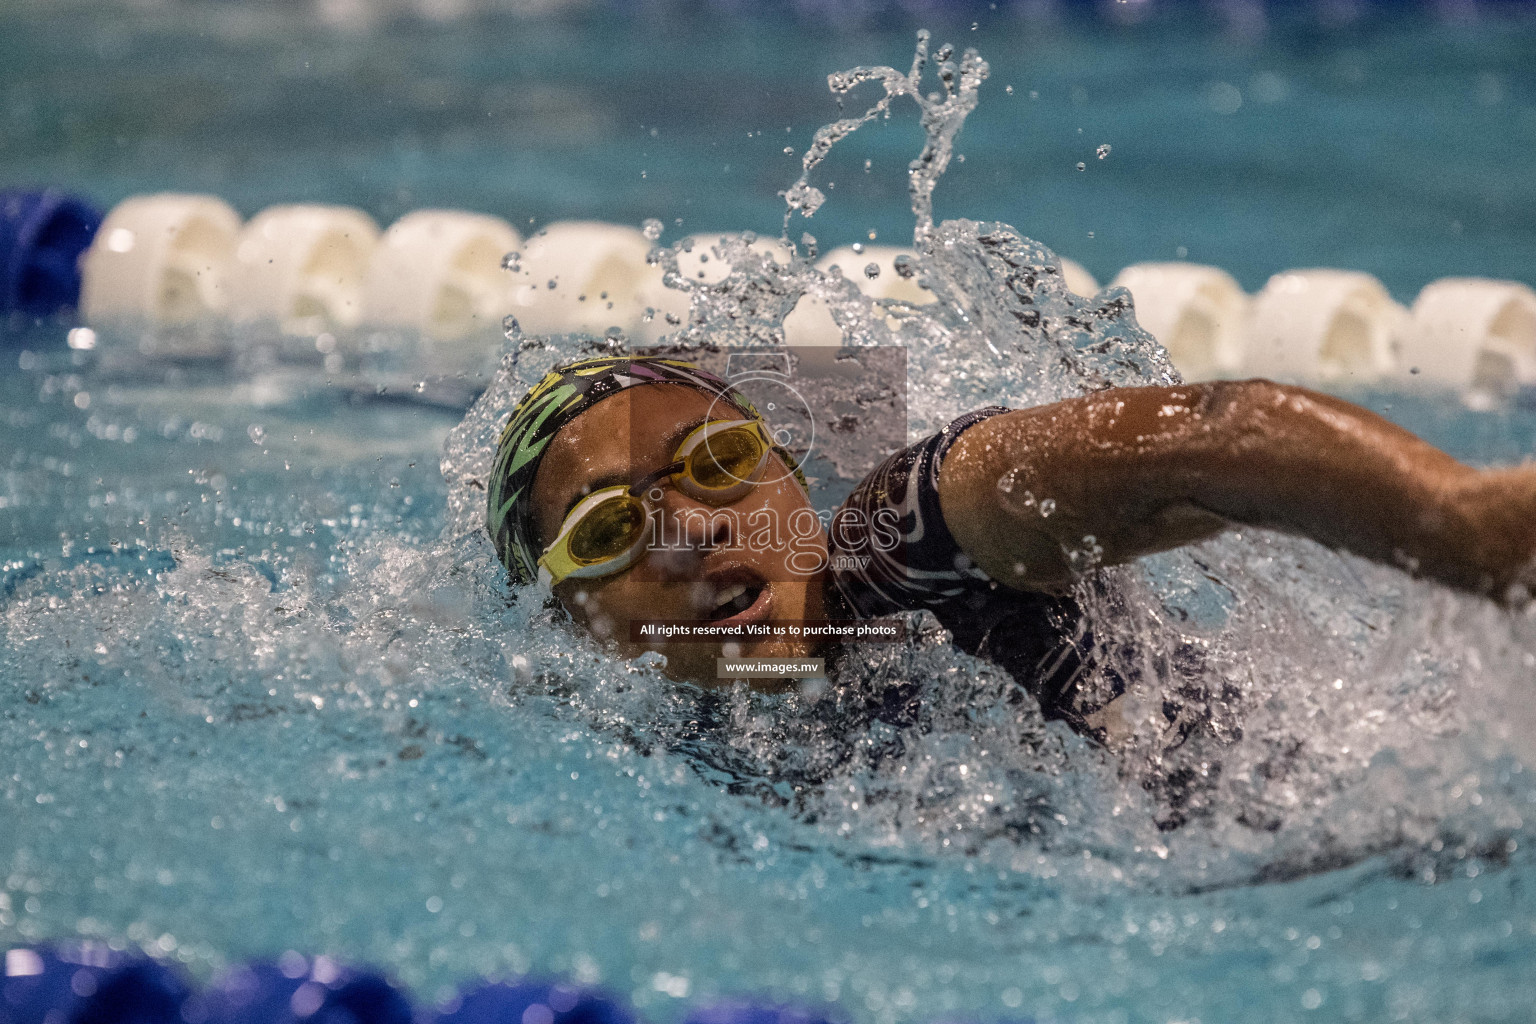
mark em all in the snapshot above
pixel 988 523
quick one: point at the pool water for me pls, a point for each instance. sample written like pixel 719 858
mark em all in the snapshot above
pixel 268 690
pixel 256 704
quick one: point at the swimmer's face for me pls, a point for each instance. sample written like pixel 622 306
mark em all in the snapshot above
pixel 718 572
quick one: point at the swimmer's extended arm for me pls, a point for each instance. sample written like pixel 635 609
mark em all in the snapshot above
pixel 1142 470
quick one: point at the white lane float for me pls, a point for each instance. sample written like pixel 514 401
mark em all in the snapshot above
pixel 303 267
pixel 439 273
pixel 698 261
pixel 811 323
pixel 163 259
pixel 1323 326
pixel 1472 334
pixel 1078 280
pixel 1198 313
pixel 177 261
pixel 588 276
pixel 886 282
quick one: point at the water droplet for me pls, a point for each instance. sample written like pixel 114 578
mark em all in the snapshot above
pixel 858 247
pixel 256 432
pixel 789 150
pixel 872 271
pixel 511 329
pixel 1224 97
pixel 553 284
pixel 1103 150
pixel 867 165
pixel 1008 89
pixel 903 266
pixel 1047 506
pixel 1082 166
pixel 651 228
pixel 512 261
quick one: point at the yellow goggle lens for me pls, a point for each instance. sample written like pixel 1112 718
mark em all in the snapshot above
pixel 726 459
pixel 608 530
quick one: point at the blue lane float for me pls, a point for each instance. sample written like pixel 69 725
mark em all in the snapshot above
pixel 294 989
pixel 533 1002
pixel 756 1013
pixel 42 236
pixel 89 985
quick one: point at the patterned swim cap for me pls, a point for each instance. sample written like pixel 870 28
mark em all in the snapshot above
pixel 565 393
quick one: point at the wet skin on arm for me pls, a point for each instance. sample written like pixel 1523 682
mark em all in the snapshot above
pixel 1141 470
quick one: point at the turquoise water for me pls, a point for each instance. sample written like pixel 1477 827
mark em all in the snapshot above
pixel 266 689
pixel 251 706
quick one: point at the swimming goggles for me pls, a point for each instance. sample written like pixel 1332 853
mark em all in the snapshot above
pixel 718 463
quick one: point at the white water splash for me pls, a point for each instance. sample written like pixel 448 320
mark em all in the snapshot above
pixel 1307 710
pixel 943 115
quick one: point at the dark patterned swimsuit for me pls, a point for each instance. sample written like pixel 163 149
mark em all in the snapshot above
pixel 1040 639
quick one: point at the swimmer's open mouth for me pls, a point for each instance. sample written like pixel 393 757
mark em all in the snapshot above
pixel 737 596
pixel 735 599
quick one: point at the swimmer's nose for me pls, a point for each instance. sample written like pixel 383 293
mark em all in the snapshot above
pixel 688 530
